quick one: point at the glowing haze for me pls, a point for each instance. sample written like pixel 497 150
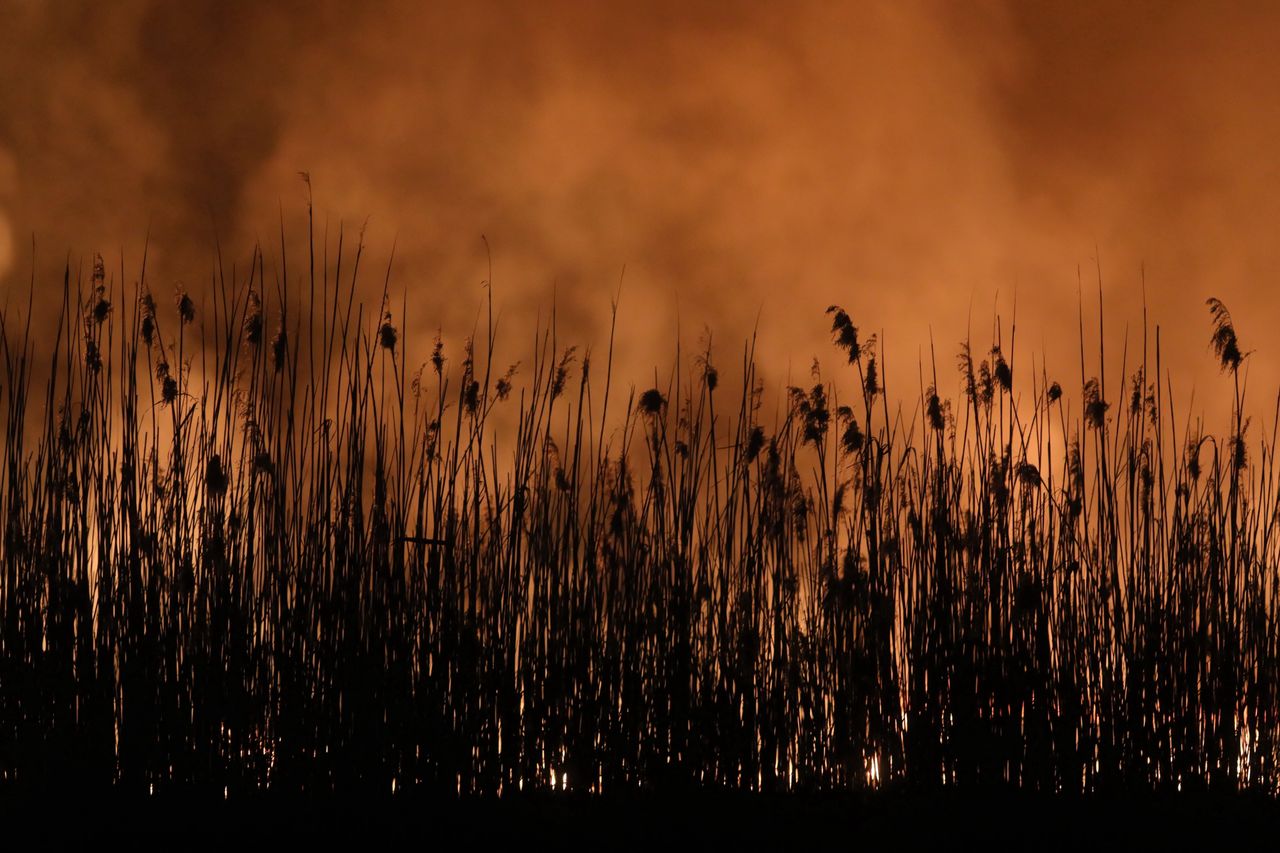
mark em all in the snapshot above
pixel 906 160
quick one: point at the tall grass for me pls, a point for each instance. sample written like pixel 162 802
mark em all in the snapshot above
pixel 253 543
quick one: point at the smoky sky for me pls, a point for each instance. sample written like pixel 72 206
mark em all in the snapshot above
pixel 921 164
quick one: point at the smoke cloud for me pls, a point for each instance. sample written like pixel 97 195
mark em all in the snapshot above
pixel 918 163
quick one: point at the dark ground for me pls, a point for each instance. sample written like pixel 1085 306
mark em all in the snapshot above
pixel 710 821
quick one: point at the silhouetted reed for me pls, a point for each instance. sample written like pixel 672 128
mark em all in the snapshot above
pixel 313 565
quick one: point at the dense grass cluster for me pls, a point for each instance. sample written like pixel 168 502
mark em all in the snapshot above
pixel 250 543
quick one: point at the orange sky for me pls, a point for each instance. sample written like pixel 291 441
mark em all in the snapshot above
pixel 906 160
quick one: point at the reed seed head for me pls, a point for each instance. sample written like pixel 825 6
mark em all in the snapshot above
pixel 755 443
pixel 147 326
pixel 652 402
pixel 1003 372
pixel 1095 408
pixel 279 347
pixel 437 356
pixel 387 335
pixel 92 355
pixel 1223 341
pixel 934 408
pixel 844 332
pixel 168 389
pixel 186 308
pixel 215 478
pixel 253 319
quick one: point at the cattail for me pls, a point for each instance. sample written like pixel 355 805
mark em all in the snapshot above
pixel 872 383
pixel 471 396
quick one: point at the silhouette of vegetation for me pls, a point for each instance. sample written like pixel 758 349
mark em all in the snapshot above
pixel 306 563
